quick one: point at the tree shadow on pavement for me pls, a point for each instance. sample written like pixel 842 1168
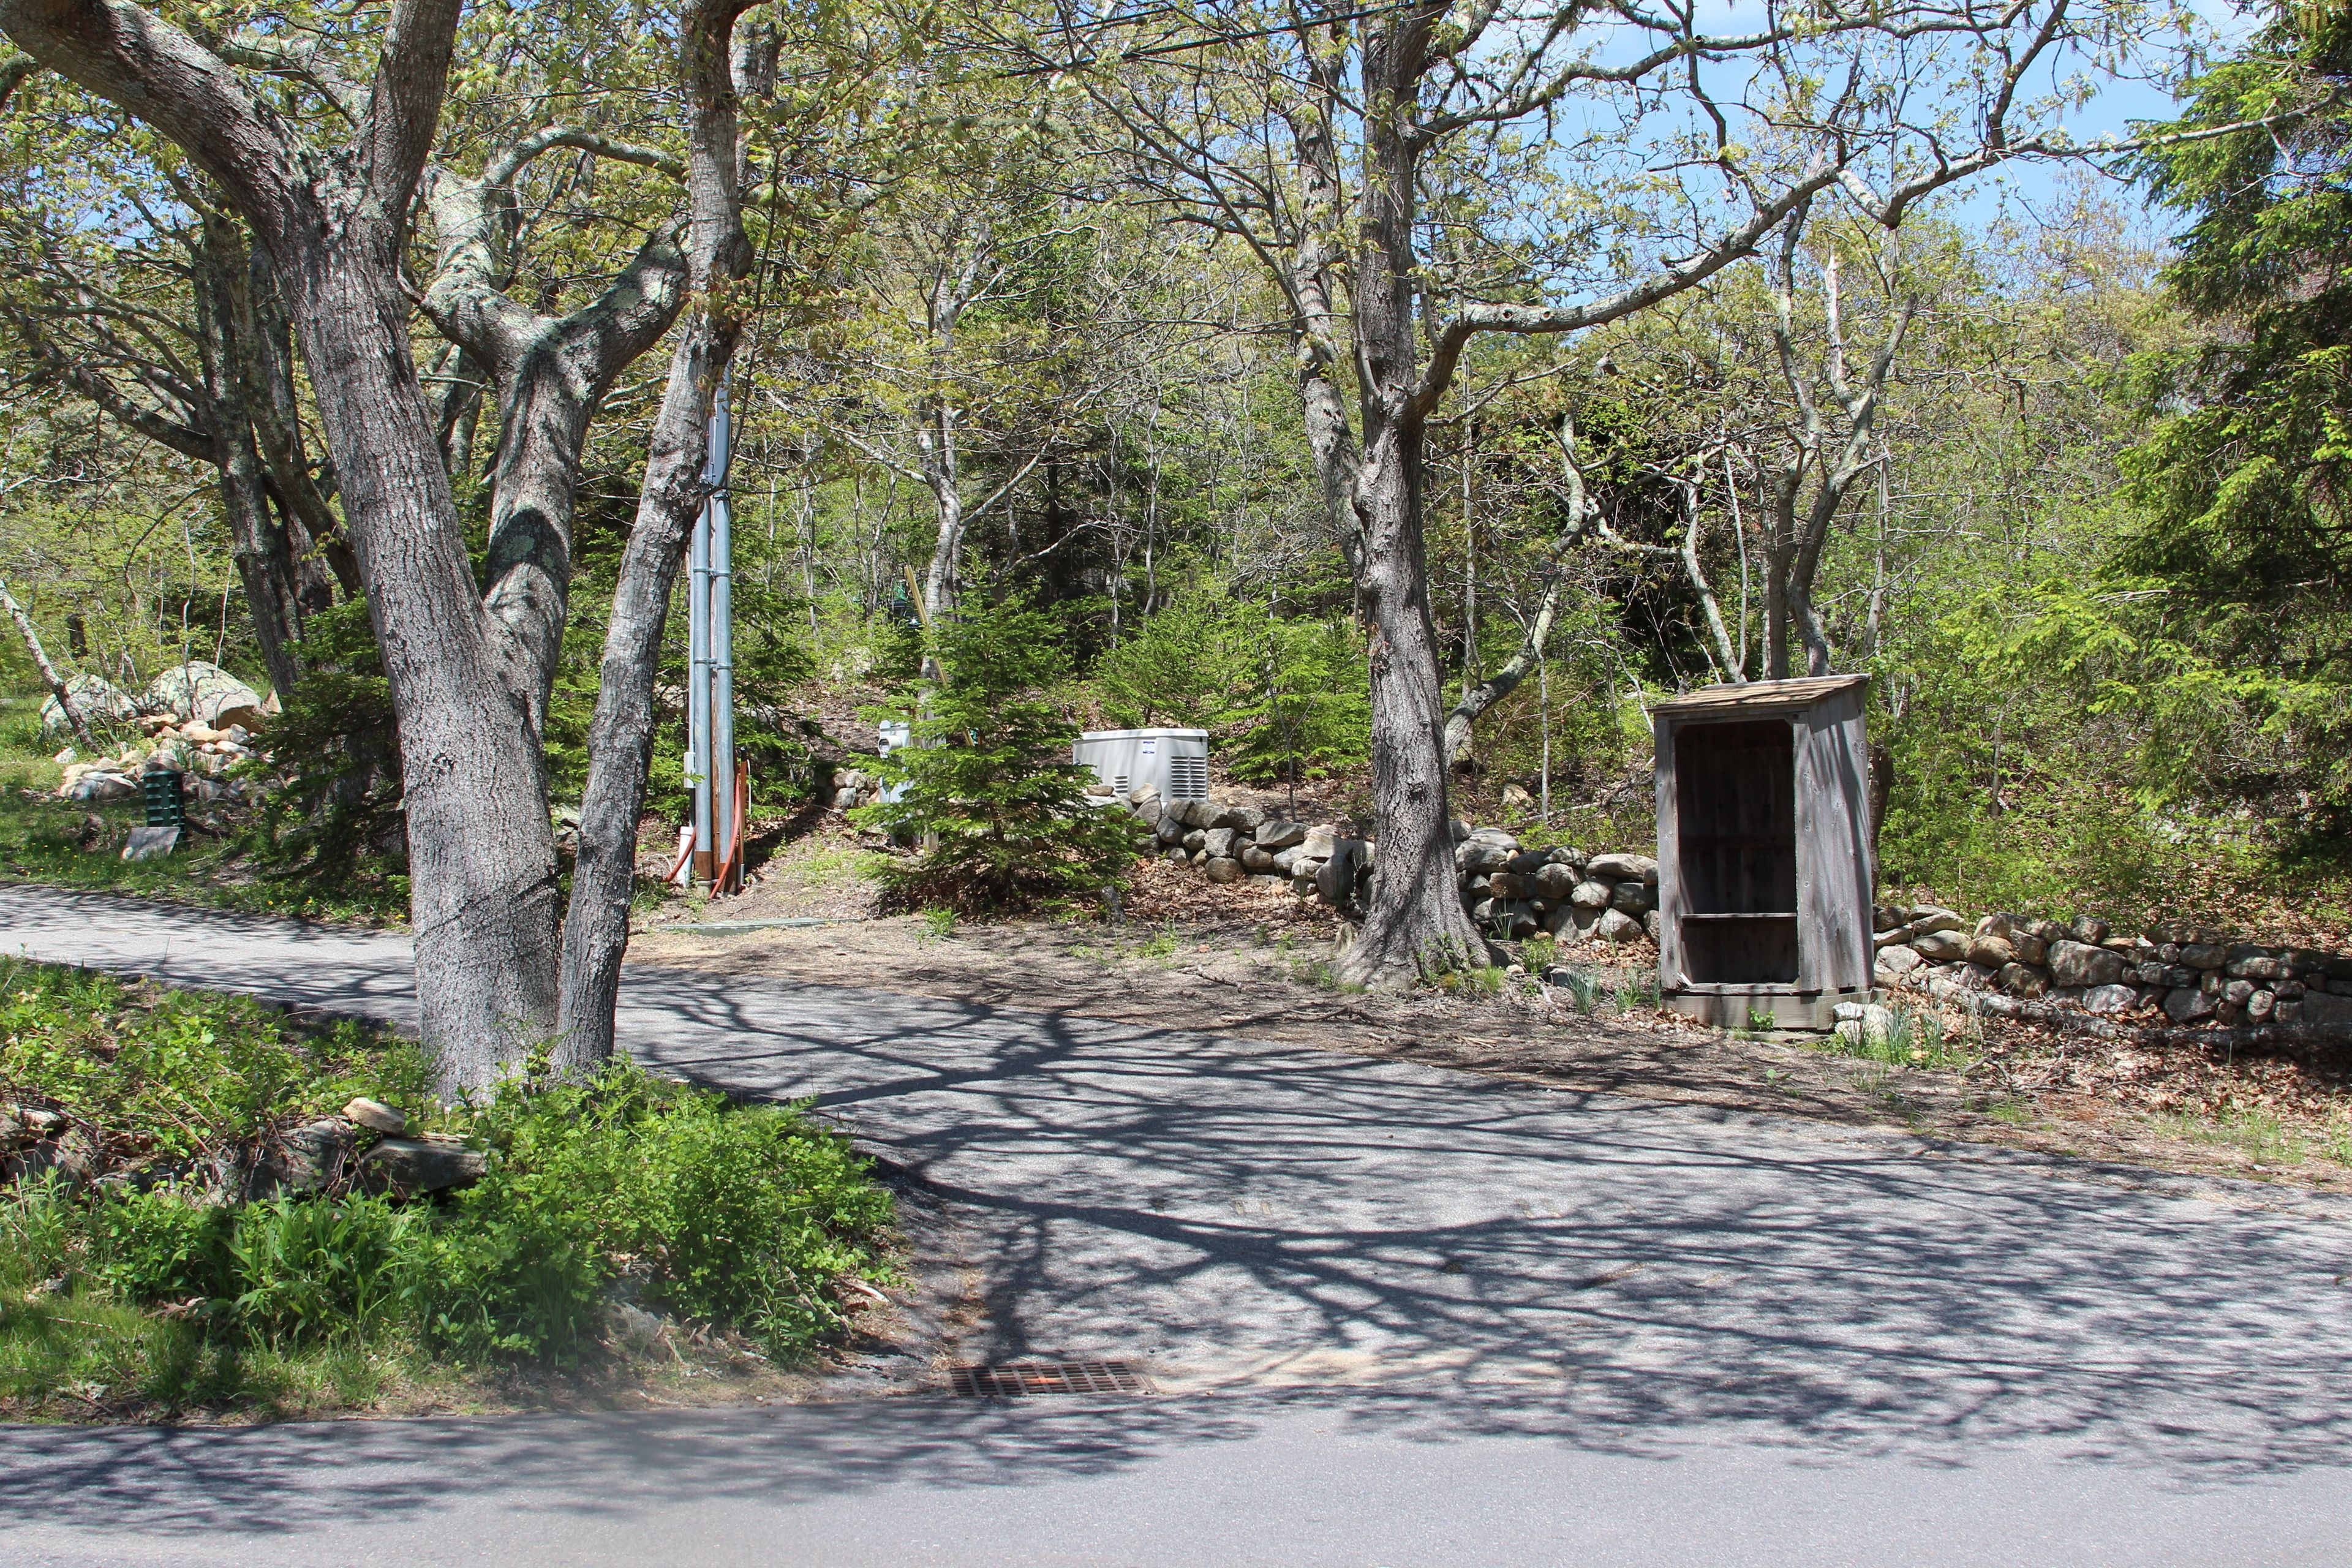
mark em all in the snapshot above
pixel 1409 1251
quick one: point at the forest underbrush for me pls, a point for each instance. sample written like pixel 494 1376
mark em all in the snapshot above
pixel 213 1213
pixel 217 863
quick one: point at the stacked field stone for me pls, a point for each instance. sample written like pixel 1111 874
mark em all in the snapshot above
pixel 2188 974
pixel 1511 889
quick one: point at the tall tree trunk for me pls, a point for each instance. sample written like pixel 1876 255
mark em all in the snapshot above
pixel 481 850
pixel 264 558
pixel 1415 922
pixel 941 474
pixel 621 735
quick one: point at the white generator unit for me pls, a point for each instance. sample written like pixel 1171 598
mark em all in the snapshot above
pixel 1174 761
pixel 892 736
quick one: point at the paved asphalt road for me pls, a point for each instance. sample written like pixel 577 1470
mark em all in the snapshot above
pixel 1396 1315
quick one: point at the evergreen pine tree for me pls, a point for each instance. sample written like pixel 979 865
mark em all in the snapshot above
pixel 989 790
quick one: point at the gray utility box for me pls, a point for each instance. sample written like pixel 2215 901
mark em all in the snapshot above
pixel 1764 865
pixel 1174 761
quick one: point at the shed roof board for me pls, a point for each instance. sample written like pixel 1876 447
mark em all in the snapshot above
pixel 1758 695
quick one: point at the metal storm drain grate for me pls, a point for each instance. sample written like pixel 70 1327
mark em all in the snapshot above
pixel 1016 1380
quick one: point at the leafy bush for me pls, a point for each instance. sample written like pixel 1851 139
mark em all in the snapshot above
pixel 745 1216
pixel 1291 696
pixel 331 811
pixel 174 1073
pixel 737 1214
pixel 989 789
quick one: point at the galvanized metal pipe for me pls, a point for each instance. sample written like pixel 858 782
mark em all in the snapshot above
pixel 698 689
pixel 722 626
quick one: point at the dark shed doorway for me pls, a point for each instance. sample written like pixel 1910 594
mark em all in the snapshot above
pixel 1738 853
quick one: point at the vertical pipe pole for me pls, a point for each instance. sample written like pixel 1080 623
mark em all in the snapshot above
pixel 722 628
pixel 698 690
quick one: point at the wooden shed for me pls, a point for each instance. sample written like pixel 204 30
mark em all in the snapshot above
pixel 1764 851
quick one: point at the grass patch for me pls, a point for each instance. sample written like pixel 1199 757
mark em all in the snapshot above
pixel 2261 1137
pixel 1478 980
pixel 1902 1037
pixel 1639 994
pixel 140 1275
pixel 1159 950
pixel 1583 988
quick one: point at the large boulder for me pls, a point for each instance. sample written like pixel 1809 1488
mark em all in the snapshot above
pixel 1279 835
pixel 1476 854
pixel 1337 879
pixel 311 1158
pixel 1898 961
pixel 2187 1004
pixel 1992 951
pixel 1225 867
pixel 1503 919
pixel 1631 896
pixel 99 785
pixel 2074 963
pixel 2110 999
pixel 1555 882
pixel 2322 1007
pixel 2249 962
pixel 1218 842
pixel 1612 867
pixel 1617 926
pixel 97 702
pixel 1593 895
pixel 1941 946
pixel 204 690
pixel 432 1164
pixel 1201 811
pixel 2018 981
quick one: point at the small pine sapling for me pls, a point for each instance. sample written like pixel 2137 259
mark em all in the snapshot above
pixel 987 788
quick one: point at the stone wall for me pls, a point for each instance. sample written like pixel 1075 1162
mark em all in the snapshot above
pixel 1511 889
pixel 2172 973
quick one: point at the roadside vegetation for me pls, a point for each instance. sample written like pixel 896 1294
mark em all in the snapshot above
pixel 161 1257
pixel 225 860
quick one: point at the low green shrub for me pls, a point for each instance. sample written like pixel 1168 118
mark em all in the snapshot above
pixel 154 1071
pixel 745 1216
pixel 740 1214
